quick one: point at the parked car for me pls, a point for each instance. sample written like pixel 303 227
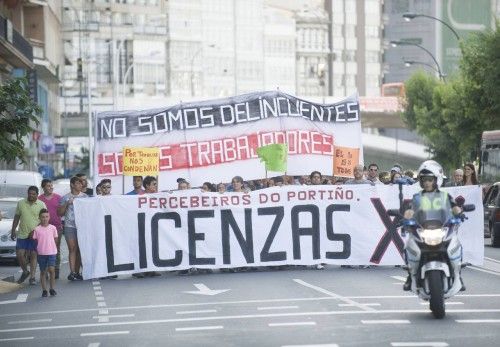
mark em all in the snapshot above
pixel 16 182
pixel 491 204
pixel 7 211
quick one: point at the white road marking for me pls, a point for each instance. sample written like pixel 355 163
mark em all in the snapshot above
pixel 20 298
pixel 327 292
pixel 204 290
pixel 447 303
pixel 115 316
pixel 213 327
pixel 97 292
pixel 105 333
pixel 94 344
pixel 193 312
pixel 368 304
pixel 31 321
pixel 261 301
pixel 17 339
pixel 399 278
pixel 101 304
pixel 249 316
pixel 96 283
pixel 276 308
pixel 477 320
pixel 322 345
pixel 97 288
pixel 99 298
pixel 484 270
pixel 103 320
pixel 386 321
pixel 106 311
pixel 419 344
pixel 289 324
pixel 493 260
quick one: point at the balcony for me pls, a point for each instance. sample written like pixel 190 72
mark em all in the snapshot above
pixel 14 48
pixel 45 68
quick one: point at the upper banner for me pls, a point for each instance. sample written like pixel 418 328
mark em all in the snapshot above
pixel 202 141
pixel 300 225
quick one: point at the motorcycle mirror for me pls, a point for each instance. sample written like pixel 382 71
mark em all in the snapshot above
pixel 460 200
pixel 469 207
pixel 393 212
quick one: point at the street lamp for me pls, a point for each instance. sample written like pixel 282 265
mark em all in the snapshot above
pixel 407 43
pixel 409 63
pixel 410 15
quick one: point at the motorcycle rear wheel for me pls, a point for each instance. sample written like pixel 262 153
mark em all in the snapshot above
pixel 434 278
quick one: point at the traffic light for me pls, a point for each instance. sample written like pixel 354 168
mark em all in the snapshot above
pixel 79 69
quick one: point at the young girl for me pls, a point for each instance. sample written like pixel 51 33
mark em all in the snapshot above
pixel 46 235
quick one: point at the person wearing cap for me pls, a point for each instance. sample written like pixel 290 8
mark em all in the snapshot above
pixel 397 169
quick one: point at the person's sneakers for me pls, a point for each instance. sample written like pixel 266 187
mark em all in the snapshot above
pixel 32 281
pixel 23 277
pixel 52 292
pixel 72 277
pixel 56 273
pixel 319 267
pixel 407 285
pixel 44 294
pixel 138 275
pixel 462 289
pixel 79 277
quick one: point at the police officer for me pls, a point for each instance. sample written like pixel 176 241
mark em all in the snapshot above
pixel 430 177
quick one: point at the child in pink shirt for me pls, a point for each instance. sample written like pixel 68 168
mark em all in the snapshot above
pixel 46 235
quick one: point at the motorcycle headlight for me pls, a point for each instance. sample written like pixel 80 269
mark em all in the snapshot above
pixel 5 237
pixel 433 237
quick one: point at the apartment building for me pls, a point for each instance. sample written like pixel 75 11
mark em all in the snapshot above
pixel 31 46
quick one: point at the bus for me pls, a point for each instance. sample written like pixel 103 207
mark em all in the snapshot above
pixel 490 156
pixel 393 89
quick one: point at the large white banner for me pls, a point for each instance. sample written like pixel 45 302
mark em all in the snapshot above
pixel 217 139
pixel 345 224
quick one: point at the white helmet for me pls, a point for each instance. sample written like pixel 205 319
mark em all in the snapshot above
pixel 431 168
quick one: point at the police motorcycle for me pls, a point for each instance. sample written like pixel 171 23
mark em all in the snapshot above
pixel 432 248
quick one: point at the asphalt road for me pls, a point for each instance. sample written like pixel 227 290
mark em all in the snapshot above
pixel 294 307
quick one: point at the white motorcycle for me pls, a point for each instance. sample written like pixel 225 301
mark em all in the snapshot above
pixel 434 254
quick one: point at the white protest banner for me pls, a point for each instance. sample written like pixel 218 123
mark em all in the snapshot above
pixel 305 225
pixel 216 140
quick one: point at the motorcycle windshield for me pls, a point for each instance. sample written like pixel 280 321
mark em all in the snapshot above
pixel 433 210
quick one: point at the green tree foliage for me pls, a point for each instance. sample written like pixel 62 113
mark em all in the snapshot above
pixel 429 105
pixel 18 115
pixel 480 68
pixel 452 116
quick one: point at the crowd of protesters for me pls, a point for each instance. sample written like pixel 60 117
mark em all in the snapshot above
pixel 44 218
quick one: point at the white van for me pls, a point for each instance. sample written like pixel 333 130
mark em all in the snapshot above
pixel 16 182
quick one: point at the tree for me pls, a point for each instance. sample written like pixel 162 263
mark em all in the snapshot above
pixel 480 69
pixel 18 115
pixel 452 116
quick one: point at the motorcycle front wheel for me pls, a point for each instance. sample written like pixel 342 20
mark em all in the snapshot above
pixel 435 280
